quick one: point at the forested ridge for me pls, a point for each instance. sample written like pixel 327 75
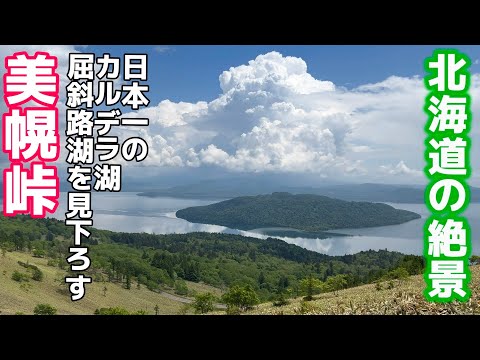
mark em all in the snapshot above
pixel 269 266
pixel 303 212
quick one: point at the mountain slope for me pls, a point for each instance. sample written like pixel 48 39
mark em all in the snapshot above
pixel 177 261
pixel 388 298
pixel 302 212
pixel 23 297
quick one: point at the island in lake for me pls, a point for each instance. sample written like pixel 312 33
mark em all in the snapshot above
pixel 306 212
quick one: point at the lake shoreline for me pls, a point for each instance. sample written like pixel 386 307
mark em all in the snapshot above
pixel 127 212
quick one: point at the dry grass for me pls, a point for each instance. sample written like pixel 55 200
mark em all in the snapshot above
pixel 405 298
pixel 202 288
pixel 14 298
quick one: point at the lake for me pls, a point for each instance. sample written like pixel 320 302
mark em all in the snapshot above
pixel 128 212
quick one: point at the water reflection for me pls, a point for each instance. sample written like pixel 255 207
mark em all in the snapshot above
pixel 128 212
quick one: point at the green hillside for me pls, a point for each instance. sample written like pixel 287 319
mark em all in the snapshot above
pixel 393 297
pixel 24 296
pixel 138 268
pixel 303 212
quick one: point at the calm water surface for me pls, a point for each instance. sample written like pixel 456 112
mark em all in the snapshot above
pixel 131 213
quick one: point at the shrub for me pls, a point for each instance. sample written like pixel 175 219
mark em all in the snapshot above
pixel 37 275
pixel 204 303
pixel 20 277
pixel 242 297
pixel 398 273
pixel 51 262
pixel 181 287
pixel 44 309
pixel 280 300
pixel 38 253
pixel 111 311
pixel 311 286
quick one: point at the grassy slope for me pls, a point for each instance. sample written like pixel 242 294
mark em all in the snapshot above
pixel 15 299
pixel 404 298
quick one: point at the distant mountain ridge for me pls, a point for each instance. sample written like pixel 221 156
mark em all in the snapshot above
pixel 351 192
pixel 305 212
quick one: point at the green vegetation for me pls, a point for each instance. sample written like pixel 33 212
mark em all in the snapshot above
pixel 37 275
pixel 117 311
pixel 337 282
pixel 20 277
pixel 181 287
pixel 280 300
pixel 311 286
pixel 44 309
pixel 24 296
pixel 402 298
pixel 240 298
pixel 397 274
pixel 270 269
pixel 312 213
pixel 204 303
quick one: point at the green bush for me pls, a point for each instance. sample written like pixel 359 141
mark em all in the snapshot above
pixel 52 262
pixel 280 300
pixel 38 253
pixel 20 277
pixel 37 275
pixel 233 310
pixel 118 311
pixel 311 286
pixel 204 303
pixel 44 309
pixel 242 297
pixel 181 287
pixel 111 311
pixel 152 285
pixel 397 274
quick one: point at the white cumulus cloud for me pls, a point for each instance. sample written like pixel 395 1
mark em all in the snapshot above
pixel 272 115
pixel 400 169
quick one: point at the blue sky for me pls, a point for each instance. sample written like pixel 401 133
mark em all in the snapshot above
pixel 190 73
pixel 302 112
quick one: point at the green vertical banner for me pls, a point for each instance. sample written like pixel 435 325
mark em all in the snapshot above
pixel 447 245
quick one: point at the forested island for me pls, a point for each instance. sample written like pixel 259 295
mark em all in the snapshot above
pixel 302 212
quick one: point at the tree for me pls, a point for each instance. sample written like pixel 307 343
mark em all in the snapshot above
pixel 261 278
pixel 280 299
pixel 203 303
pixel 44 309
pixel 337 282
pixel 398 274
pixel 242 297
pixel 181 287
pixel 40 253
pixel 129 282
pixel 50 236
pixel 283 282
pixel 311 286
pixel 37 274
